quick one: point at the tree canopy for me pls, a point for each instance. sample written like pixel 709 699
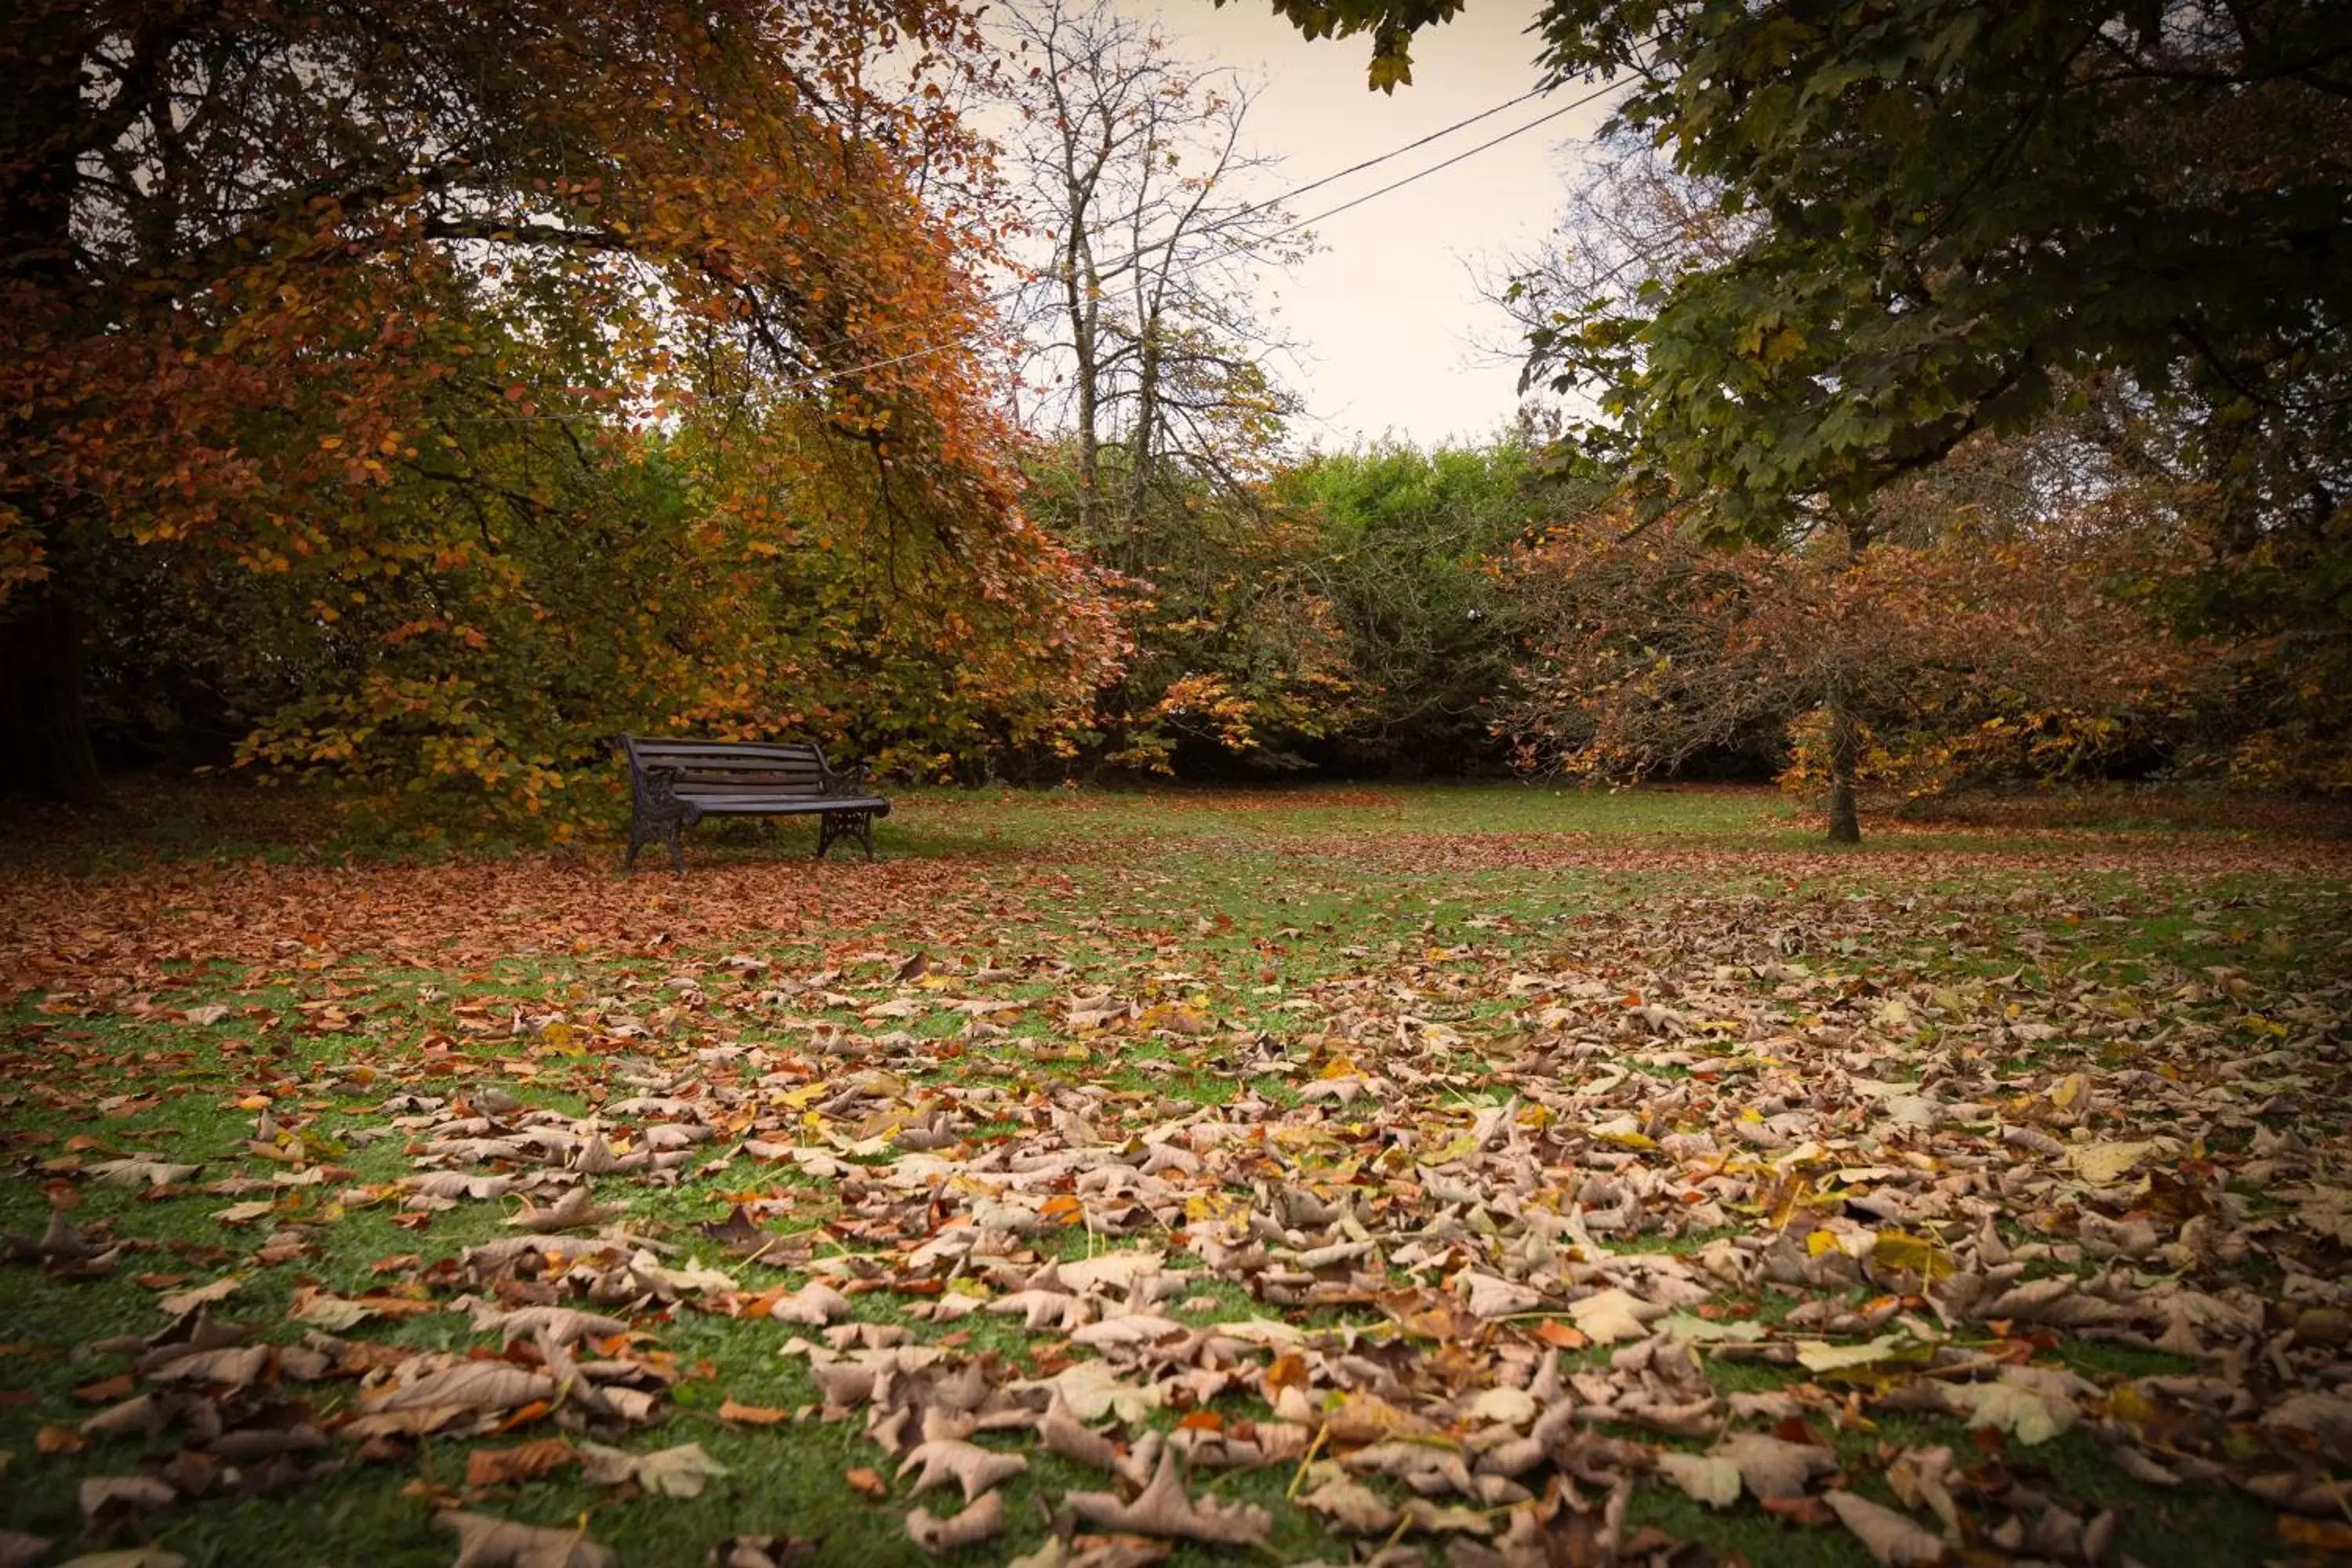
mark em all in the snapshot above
pixel 386 335
pixel 1959 203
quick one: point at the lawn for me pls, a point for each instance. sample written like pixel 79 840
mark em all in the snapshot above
pixel 1471 1174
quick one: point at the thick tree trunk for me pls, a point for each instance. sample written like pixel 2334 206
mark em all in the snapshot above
pixel 1846 750
pixel 44 733
pixel 1845 727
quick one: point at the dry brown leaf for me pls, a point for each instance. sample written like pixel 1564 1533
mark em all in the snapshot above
pixel 99 1493
pixel 1351 1506
pixel 678 1472
pixel 143 1172
pixel 970 1466
pixel 562 1325
pixel 1774 1467
pixel 1490 1296
pixel 470 1386
pixel 1611 1316
pixel 1094 1552
pixel 484 1541
pixel 976 1523
pixel 1063 1433
pixel 523 1462
pixel 1894 1538
pixel 761 1552
pixel 1163 1508
pixel 1703 1477
pixel 815 1304
pixel 574 1209
pixel 220 1289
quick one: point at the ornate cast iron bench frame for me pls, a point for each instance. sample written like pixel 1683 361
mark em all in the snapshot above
pixel 673 785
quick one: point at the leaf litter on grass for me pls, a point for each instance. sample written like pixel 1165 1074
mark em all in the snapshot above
pixel 1469 1244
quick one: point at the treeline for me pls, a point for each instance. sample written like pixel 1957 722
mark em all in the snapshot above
pixel 412 397
pixel 2026 612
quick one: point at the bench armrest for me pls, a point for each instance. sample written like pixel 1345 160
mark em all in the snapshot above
pixel 657 788
pixel 855 779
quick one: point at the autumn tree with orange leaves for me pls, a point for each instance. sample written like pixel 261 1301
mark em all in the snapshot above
pixel 1944 650
pixel 427 390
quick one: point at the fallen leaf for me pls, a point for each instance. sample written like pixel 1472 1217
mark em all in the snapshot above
pixel 970 1466
pixel 2103 1164
pixel 472 1385
pixel 484 1541
pixel 523 1462
pixel 1702 1478
pixel 181 1301
pixel 99 1493
pixel 1613 1315
pixel 750 1415
pixel 1773 1468
pixel 1895 1540
pixel 976 1523
pixel 1164 1508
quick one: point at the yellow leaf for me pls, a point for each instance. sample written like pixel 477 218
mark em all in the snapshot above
pixel 1918 1255
pixel 2103 1164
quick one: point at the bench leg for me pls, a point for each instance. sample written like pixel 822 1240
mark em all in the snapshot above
pixel 831 826
pixel 662 818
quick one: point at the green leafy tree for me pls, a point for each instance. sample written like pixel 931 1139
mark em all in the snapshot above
pixel 1958 212
pixel 1407 542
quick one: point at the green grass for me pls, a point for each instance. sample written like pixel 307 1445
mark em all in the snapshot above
pixel 1233 906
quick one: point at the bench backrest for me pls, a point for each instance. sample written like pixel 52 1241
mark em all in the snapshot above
pixel 711 768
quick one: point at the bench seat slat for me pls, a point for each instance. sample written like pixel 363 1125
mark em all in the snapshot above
pixel 788 806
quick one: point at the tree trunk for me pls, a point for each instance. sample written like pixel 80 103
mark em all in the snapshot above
pixel 1845 729
pixel 44 733
pixel 1846 749
pixel 1082 294
pixel 1147 416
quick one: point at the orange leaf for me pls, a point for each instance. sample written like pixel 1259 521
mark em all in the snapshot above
pixel 106 1391
pixel 1566 1336
pixel 523 1462
pixel 752 1415
pixel 2318 1534
pixel 524 1416
pixel 59 1440
pixel 867 1482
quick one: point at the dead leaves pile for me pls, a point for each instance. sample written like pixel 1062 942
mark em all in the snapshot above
pixel 1468 1249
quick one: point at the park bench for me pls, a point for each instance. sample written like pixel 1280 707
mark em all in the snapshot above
pixel 673 785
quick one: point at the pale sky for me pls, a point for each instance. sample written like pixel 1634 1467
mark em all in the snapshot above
pixel 1388 311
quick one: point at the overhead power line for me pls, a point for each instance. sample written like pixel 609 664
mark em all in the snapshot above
pixel 1458 157
pixel 961 338
pixel 1000 295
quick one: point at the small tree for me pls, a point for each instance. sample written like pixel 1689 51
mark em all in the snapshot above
pixel 1966 655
